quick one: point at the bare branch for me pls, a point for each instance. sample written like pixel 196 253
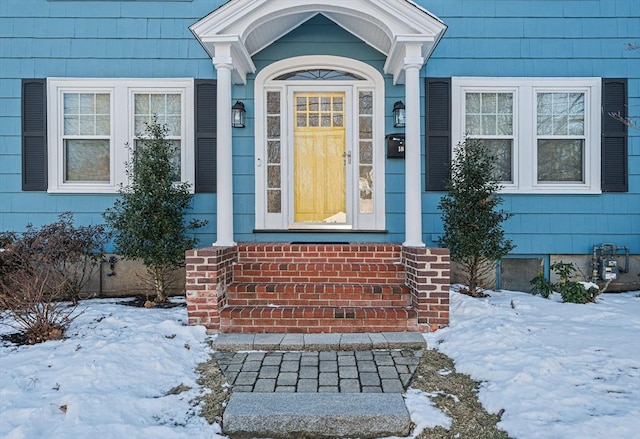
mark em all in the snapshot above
pixel 628 121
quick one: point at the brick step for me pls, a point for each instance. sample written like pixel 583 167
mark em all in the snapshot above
pixel 276 319
pixel 320 294
pixel 270 272
pixel 210 270
pixel 312 253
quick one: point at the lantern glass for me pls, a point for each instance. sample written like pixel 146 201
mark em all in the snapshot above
pixel 237 115
pixel 399 114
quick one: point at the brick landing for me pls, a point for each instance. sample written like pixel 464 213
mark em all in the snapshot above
pixel 318 288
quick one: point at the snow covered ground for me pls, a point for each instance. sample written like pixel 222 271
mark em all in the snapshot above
pixel 558 370
pixel 108 379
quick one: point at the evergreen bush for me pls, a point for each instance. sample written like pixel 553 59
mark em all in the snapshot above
pixel 570 289
pixel 149 219
pixel 472 221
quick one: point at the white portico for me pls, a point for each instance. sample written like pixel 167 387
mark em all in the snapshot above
pixel 404 32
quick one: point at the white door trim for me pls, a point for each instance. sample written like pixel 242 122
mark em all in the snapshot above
pixel 265 82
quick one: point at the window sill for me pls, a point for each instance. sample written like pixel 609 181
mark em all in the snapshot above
pixel 53 1
pixel 301 230
pixel 83 190
pixel 551 191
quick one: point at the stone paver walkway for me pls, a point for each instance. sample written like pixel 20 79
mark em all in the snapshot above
pixel 317 385
pixel 370 371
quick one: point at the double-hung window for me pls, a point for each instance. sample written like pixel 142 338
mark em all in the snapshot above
pixel 544 133
pixel 165 108
pixel 560 136
pixel 86 136
pixel 489 117
pixel 94 123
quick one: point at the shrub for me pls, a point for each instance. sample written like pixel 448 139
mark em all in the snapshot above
pixel 44 266
pixel 7 238
pixel 8 261
pixel 570 289
pixel 32 299
pixel 148 221
pixel 472 221
pixel 541 285
pixel 71 254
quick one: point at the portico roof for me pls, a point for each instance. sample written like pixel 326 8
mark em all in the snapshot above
pixel 237 30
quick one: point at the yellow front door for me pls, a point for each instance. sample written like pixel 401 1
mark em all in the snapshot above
pixel 319 158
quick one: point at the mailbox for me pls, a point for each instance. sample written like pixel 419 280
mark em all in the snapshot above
pixel 395 145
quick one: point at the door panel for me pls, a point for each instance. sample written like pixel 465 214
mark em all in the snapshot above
pixel 319 158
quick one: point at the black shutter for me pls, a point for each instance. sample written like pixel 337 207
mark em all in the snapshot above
pixel 438 132
pixel 205 134
pixel 614 136
pixel 34 135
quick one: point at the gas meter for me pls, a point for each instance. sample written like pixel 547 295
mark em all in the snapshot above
pixel 608 268
pixel 604 262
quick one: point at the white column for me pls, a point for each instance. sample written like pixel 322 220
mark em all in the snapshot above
pixel 413 181
pixel 224 209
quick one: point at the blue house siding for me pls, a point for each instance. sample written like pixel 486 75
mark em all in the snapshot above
pixel 151 39
pixel 546 39
pixel 40 39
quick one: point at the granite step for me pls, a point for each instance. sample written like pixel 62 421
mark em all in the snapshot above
pixel 231 342
pixel 316 415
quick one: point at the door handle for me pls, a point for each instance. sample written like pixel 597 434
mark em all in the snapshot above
pixel 347 157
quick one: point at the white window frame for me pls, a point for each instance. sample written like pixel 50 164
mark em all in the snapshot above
pixel 122 133
pixel 525 149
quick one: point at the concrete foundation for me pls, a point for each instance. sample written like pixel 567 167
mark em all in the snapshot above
pixel 515 273
pixel 625 281
pixel 128 278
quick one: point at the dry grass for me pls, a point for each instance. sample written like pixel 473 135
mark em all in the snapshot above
pixel 457 398
pixel 214 401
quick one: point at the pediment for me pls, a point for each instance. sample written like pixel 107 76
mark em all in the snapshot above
pixel 241 28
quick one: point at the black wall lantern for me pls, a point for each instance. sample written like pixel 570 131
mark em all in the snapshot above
pixel 237 115
pixel 398 115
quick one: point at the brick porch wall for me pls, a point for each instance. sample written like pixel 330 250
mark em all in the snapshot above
pixel 209 272
pixel 427 273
